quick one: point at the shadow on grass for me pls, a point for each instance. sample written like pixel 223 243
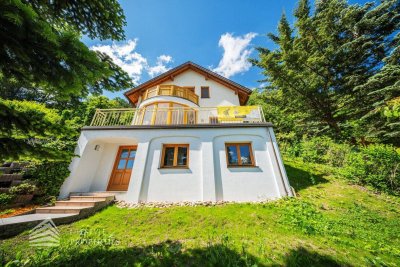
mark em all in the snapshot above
pixel 170 253
pixel 301 179
pixel 302 257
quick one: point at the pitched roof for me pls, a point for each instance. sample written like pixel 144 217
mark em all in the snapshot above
pixel 243 92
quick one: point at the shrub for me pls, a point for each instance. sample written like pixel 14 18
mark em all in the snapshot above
pixel 23 189
pixel 5 199
pixel 314 149
pixel 335 154
pixel 319 150
pixel 48 176
pixel 376 165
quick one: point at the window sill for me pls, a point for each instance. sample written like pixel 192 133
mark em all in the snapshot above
pixel 242 166
pixel 172 168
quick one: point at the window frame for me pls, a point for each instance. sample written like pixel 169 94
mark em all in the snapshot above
pixel 175 161
pixel 239 164
pixel 201 91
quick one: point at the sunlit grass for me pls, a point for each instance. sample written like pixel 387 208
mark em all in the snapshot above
pixel 330 223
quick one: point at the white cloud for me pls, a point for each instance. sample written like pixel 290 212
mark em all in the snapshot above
pixel 125 56
pixel 236 54
pixel 161 65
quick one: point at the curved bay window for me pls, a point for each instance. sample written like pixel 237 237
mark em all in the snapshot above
pixel 166 113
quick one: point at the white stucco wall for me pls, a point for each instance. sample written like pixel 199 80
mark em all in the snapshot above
pixel 219 94
pixel 207 179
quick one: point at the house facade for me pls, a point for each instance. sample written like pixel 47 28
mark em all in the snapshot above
pixel 188 137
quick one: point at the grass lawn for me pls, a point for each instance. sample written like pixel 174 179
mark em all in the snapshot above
pixel 330 223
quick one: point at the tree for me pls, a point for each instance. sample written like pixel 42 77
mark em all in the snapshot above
pixel 41 50
pixel 322 64
pixel 42 57
pixel 29 129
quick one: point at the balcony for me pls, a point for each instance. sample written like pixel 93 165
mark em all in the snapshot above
pixel 178 116
pixel 171 90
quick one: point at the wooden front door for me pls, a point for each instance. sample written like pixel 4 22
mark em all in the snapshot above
pixel 121 174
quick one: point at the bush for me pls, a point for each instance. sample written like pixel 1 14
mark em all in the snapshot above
pixel 5 199
pixel 48 176
pixel 23 189
pixel 335 154
pixel 375 165
pixel 318 150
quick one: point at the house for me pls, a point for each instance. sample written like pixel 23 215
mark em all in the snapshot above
pixel 189 137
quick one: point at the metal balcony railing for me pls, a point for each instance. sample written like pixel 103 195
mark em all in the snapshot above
pixel 177 116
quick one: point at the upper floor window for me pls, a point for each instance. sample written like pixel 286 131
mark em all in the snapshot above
pixel 205 92
pixel 239 154
pixel 175 156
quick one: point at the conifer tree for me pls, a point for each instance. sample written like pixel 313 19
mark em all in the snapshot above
pixel 328 63
pixel 41 51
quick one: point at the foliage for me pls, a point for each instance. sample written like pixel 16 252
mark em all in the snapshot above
pixel 338 65
pixel 23 189
pixel 43 59
pixel 97 19
pixel 41 47
pixel 325 226
pixel 27 128
pixel 83 113
pixel 48 176
pixel 288 125
pixel 6 211
pixel 375 165
pixel 5 198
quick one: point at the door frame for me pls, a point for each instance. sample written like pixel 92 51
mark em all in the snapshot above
pixel 116 160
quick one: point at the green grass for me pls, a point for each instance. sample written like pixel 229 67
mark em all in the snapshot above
pixel 330 223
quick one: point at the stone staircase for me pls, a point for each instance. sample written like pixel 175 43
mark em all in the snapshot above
pixel 79 203
pixel 77 207
pixel 11 174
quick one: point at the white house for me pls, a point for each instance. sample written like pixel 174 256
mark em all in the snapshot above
pixel 190 137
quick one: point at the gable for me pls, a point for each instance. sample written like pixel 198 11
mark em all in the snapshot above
pixel 182 71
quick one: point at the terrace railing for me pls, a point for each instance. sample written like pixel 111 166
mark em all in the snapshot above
pixel 171 90
pixel 178 116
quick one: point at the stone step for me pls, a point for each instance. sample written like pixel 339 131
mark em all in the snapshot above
pixel 5 170
pixel 16 182
pixel 63 209
pixel 4 189
pixel 10 177
pixel 85 203
pixel 100 193
pixel 94 198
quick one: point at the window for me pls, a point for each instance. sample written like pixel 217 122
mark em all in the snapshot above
pixel 239 154
pixel 175 156
pixel 205 92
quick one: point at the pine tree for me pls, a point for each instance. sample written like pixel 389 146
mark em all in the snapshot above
pixel 41 52
pixel 324 63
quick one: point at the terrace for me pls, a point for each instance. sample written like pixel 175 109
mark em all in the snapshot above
pixel 178 116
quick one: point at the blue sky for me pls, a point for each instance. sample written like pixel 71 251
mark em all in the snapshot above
pixel 217 34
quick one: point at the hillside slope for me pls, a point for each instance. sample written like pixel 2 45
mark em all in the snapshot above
pixel 330 223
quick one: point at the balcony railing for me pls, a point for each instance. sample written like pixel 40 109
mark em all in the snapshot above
pixel 177 116
pixel 171 90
